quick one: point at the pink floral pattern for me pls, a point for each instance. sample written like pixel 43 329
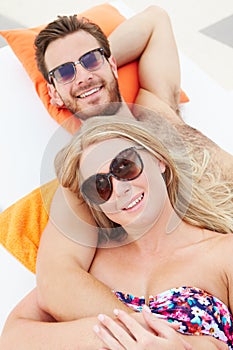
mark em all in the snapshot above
pixel 194 310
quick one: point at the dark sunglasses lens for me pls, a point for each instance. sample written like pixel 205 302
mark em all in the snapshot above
pixel 92 60
pixel 97 189
pixel 65 73
pixel 127 165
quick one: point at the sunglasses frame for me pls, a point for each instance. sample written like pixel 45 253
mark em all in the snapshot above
pixel 110 174
pixel 51 75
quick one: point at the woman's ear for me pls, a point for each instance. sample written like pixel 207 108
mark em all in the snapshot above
pixel 55 98
pixel 162 166
pixel 113 65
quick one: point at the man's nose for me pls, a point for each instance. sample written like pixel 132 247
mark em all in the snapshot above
pixel 82 75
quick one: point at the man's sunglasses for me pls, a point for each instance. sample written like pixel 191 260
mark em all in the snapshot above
pixel 126 166
pixel 66 73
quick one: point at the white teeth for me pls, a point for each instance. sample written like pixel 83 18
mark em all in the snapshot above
pixel 136 201
pixel 90 92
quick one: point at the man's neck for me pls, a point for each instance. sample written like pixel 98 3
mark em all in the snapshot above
pixel 124 110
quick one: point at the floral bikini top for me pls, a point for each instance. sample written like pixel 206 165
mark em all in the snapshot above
pixel 196 311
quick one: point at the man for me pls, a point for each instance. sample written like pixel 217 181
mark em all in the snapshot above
pixel 54 50
pixel 96 91
pixel 89 87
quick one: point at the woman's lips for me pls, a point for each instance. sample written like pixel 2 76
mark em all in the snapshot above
pixel 135 202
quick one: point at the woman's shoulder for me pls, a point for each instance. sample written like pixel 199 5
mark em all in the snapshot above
pixel 219 246
pixel 221 251
pixel 221 238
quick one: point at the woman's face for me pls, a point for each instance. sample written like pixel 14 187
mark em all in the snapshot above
pixel 135 204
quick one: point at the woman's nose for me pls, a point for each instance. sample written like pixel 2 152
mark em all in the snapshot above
pixel 120 188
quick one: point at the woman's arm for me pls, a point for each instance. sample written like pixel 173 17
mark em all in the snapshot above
pixel 161 335
pixel 149 36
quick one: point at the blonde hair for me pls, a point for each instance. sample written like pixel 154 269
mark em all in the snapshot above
pixel 206 205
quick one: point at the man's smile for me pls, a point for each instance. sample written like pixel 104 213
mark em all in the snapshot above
pixel 89 92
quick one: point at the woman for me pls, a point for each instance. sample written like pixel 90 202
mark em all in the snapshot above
pixel 156 241
pixel 157 225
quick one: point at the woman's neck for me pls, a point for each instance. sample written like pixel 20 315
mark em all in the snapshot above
pixel 167 233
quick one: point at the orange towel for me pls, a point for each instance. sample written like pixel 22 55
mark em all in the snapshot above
pixel 22 224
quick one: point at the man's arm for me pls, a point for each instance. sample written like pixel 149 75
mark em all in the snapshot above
pixel 148 36
pixel 65 288
pixel 28 327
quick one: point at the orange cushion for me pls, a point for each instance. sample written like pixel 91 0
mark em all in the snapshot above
pixel 22 40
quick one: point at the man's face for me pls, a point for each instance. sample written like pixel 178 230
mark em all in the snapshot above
pixel 90 93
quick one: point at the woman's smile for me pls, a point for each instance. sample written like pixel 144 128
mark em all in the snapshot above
pixel 134 204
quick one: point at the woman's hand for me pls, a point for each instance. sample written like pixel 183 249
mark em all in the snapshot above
pixel 133 336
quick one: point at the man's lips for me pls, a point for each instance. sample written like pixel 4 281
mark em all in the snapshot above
pixel 133 203
pixel 89 92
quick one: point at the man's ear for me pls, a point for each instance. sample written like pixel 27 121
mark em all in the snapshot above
pixel 113 65
pixel 55 98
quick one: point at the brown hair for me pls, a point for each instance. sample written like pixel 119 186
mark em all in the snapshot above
pixel 60 28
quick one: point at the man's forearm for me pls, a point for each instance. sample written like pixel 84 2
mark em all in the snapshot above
pixel 139 29
pixel 154 45
pixel 80 295
pixel 25 334
pixel 29 327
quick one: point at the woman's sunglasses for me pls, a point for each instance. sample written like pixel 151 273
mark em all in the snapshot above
pixel 66 73
pixel 126 166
